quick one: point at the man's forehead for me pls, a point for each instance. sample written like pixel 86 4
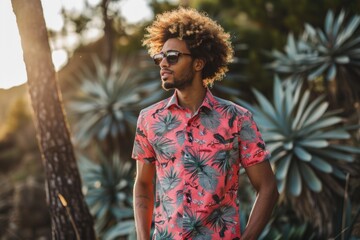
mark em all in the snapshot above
pixel 174 44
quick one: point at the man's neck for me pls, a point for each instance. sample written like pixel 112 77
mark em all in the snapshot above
pixel 191 98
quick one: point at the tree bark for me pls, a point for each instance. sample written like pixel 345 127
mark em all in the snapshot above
pixel 108 35
pixel 70 216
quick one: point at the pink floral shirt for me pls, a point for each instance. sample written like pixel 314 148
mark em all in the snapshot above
pixel 197 160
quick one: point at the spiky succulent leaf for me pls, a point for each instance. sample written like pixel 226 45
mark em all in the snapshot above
pixel 121 229
pixel 107 187
pixel 302 136
pixel 331 53
pixel 107 103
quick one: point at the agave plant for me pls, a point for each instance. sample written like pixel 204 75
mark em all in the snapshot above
pixel 107 187
pixel 108 102
pixel 286 228
pixel 304 140
pixel 295 59
pixel 284 224
pixel 332 54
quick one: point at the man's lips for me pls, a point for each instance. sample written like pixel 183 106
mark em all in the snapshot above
pixel 165 73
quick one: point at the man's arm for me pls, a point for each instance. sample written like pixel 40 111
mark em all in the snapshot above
pixel 263 180
pixel 143 199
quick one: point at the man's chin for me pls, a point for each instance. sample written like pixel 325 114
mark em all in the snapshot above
pixel 168 86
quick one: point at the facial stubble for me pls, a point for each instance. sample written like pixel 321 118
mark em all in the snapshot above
pixel 180 83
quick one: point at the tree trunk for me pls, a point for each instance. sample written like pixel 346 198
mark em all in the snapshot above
pixel 70 216
pixel 108 35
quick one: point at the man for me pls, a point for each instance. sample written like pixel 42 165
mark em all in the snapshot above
pixel 195 143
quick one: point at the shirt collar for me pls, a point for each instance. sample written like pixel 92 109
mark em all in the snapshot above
pixel 208 102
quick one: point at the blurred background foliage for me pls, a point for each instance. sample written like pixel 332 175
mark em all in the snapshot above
pixel 296 68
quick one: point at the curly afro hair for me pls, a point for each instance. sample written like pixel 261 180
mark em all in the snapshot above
pixel 204 37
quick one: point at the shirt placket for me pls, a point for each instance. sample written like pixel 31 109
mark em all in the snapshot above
pixel 189 141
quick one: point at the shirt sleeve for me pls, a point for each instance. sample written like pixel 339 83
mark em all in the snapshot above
pixel 142 149
pixel 252 146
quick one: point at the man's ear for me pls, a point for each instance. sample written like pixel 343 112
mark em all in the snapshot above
pixel 199 64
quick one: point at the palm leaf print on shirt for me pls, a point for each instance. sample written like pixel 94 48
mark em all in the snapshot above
pixel 180 136
pixel 164 148
pixel 195 164
pixel 166 204
pixel 221 218
pixel 210 119
pixel 170 180
pixel 247 133
pixel 165 124
pixel 194 227
pixel 229 110
pixel 226 158
pixel 164 235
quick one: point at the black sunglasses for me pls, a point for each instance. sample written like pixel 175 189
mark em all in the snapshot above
pixel 172 57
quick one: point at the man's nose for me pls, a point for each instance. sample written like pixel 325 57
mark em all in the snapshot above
pixel 164 63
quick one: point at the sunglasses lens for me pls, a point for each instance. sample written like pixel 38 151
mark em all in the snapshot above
pixel 172 57
pixel 158 58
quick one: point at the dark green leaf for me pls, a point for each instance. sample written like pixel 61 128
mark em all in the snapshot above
pixel 348 31
pixel 322 37
pixel 316 113
pixel 344 148
pixel 333 134
pixel 310 178
pixel 265 104
pixel 318 71
pixel 338 23
pixel 342 60
pixel 278 95
pixel 310 30
pixel 281 186
pixel 331 73
pixel 283 167
pixel 339 173
pixel 327 122
pixel 288 145
pixel 333 154
pixel 329 21
pixel 291 46
pixel 294 185
pixel 301 110
pixel 120 229
pixel 314 143
pixel 321 164
pixel 302 154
